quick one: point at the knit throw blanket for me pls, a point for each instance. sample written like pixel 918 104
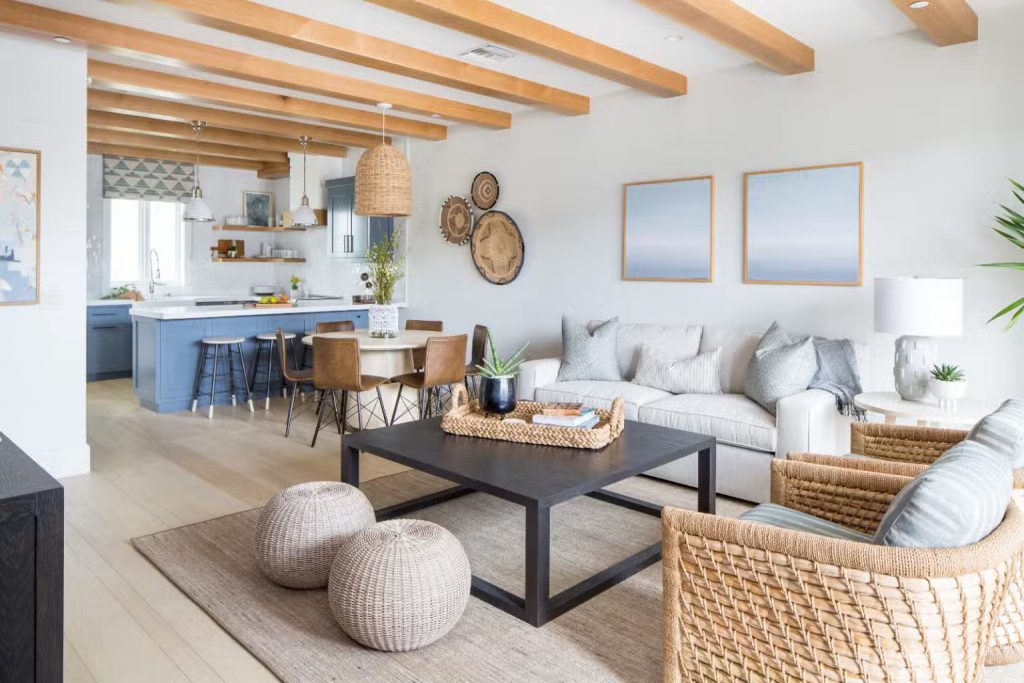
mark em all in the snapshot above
pixel 838 374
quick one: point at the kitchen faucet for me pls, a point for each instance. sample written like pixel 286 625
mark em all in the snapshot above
pixel 154 270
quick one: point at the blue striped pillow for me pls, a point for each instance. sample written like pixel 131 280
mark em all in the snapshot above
pixel 959 500
pixel 1003 431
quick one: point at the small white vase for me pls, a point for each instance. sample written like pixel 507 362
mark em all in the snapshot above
pixel 947 393
pixel 383 320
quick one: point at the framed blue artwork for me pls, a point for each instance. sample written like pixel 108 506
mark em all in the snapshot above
pixel 19 226
pixel 804 226
pixel 668 230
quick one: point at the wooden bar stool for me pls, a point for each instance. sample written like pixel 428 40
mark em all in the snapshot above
pixel 233 347
pixel 266 342
pixel 476 358
pixel 336 368
pixel 424 326
pixel 292 376
pixel 444 365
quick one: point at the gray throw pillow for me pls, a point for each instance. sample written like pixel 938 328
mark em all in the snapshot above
pixel 589 354
pixel 959 500
pixel 699 374
pixel 781 366
pixel 1003 432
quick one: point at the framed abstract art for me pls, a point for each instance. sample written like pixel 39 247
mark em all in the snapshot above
pixel 258 208
pixel 668 230
pixel 19 226
pixel 804 226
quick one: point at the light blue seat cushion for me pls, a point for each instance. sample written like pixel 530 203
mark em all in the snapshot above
pixel 959 500
pixel 1003 431
pixel 781 516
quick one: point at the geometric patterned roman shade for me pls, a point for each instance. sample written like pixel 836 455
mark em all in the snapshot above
pixel 135 178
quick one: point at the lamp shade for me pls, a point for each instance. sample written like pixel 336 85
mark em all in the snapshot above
pixel 919 307
pixel 197 211
pixel 304 216
pixel 383 183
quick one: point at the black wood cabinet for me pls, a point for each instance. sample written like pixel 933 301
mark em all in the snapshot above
pixel 31 569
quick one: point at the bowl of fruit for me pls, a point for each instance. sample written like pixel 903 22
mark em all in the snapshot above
pixel 275 301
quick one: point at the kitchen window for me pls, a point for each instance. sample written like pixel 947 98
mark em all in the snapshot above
pixel 145 240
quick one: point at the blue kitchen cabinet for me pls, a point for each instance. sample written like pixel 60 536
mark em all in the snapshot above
pixel 352 235
pixel 108 342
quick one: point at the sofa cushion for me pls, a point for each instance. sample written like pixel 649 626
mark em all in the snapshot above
pixel 700 374
pixel 731 418
pixel 1003 432
pixel 677 341
pixel 780 367
pixel 589 353
pixel 737 350
pixel 957 501
pixel 597 394
pixel 784 517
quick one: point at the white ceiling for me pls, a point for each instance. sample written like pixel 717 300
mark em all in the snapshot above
pixel 623 24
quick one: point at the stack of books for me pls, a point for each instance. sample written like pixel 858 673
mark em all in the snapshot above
pixel 571 416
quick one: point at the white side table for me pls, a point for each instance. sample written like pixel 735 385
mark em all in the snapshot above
pixel 927 413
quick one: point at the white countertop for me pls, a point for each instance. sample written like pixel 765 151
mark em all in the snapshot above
pixel 109 302
pixel 190 312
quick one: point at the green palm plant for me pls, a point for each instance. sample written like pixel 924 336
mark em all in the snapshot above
pixel 1012 229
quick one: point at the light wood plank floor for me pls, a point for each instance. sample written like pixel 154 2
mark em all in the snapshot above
pixel 123 620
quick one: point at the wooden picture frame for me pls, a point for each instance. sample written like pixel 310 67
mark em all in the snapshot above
pixel 698 213
pixel 258 220
pixel 755 272
pixel 20 193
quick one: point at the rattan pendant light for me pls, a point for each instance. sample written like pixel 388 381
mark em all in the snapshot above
pixel 383 179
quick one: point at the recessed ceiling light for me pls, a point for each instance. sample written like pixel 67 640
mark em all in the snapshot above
pixel 63 40
pixel 920 4
pixel 674 38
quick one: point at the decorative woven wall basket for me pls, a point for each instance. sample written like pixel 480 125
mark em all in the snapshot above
pixel 485 190
pixel 497 246
pixel 456 220
pixel 466 419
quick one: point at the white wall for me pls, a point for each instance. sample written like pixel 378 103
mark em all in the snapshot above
pixel 939 131
pixel 42 348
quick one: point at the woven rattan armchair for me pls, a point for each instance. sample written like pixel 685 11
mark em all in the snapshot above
pixel 750 602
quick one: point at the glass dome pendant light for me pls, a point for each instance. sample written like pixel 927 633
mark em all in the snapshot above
pixel 197 211
pixel 304 216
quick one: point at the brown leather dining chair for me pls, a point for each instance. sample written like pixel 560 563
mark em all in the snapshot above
pixel 293 378
pixel 444 365
pixel 336 368
pixel 476 357
pixel 329 326
pixel 422 326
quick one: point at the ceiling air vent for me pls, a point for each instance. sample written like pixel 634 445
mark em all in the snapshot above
pixel 488 54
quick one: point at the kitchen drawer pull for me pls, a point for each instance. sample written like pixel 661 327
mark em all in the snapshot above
pixel 97 315
pixel 108 327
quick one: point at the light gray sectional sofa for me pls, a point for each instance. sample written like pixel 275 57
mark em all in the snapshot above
pixel 748 435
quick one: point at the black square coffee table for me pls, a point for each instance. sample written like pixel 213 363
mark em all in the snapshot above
pixel 536 477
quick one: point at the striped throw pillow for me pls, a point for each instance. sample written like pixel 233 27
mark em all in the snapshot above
pixel 959 500
pixel 1003 432
pixel 697 375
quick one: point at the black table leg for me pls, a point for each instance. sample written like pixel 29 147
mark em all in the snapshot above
pixel 349 465
pixel 706 480
pixel 538 563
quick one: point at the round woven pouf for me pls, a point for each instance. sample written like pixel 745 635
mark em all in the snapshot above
pixel 300 530
pixel 399 585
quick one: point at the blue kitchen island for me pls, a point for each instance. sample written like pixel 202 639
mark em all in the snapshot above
pixel 166 344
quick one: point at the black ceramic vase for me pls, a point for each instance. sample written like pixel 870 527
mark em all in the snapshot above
pixel 498 395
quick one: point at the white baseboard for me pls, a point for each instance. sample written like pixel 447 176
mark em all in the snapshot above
pixel 66 462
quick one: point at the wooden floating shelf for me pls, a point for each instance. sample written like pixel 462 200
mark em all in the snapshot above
pixel 246 259
pixel 256 228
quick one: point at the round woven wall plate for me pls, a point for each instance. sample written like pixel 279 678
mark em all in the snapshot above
pixel 456 220
pixel 498 248
pixel 484 191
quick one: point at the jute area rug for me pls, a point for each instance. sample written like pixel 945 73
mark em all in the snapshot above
pixel 615 636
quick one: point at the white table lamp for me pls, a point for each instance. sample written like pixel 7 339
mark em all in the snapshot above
pixel 917 309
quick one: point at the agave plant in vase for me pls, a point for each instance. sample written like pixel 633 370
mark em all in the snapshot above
pixel 948 384
pixel 386 267
pixel 498 379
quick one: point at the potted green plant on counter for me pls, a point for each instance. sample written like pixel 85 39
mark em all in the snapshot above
pixel 498 379
pixel 386 267
pixel 1011 228
pixel 948 384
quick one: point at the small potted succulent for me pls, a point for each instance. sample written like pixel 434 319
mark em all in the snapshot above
pixel 498 380
pixel 948 384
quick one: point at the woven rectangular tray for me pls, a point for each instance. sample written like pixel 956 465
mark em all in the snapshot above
pixel 466 419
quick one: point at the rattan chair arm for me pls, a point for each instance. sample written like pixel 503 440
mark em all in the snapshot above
pixel 903 469
pixel 903 443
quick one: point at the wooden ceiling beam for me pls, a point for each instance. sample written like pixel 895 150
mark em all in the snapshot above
pixel 510 28
pixel 167 155
pixel 740 29
pixel 113 137
pixel 274 171
pixel 120 103
pixel 103 35
pixel 173 129
pixel 947 22
pixel 277 26
pixel 156 82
